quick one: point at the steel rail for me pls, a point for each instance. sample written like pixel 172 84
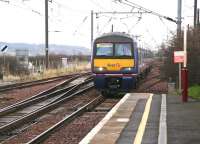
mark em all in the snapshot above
pixel 39 96
pixel 40 138
pixel 34 101
pixel 52 105
pixel 36 97
pixel 36 82
pixel 29 84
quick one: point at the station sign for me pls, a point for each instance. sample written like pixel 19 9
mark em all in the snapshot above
pixel 179 56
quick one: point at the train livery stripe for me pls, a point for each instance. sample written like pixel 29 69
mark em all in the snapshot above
pixel 113 64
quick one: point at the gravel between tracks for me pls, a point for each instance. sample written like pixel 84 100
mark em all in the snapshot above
pixel 153 83
pixel 74 132
pixel 78 129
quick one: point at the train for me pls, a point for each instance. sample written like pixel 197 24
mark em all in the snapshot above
pixel 117 63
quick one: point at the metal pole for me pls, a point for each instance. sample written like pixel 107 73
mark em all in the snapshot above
pixel 46 35
pixel 179 18
pixel 198 17
pixel 92 27
pixel 179 37
pixel 185 47
pixel 184 70
pixel 112 28
pixel 4 63
pixel 195 13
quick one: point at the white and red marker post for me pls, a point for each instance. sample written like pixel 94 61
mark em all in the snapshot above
pixel 184 70
pixel 181 57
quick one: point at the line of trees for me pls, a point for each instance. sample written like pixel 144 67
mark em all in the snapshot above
pixel 193 56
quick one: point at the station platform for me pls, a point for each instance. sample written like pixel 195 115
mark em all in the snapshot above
pixel 145 118
pixel 127 121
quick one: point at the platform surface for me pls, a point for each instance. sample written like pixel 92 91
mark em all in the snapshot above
pixel 121 123
pixel 144 118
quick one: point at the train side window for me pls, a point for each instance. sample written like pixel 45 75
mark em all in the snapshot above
pixel 123 50
pixel 104 49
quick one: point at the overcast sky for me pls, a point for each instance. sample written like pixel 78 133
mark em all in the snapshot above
pixel 69 21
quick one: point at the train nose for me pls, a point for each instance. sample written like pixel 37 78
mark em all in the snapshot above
pixel 113 83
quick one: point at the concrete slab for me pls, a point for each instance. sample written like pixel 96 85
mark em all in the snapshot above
pixel 183 121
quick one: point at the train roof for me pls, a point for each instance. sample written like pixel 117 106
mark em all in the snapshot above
pixel 123 34
pixel 111 35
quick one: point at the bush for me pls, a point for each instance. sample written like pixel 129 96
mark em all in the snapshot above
pixel 194 91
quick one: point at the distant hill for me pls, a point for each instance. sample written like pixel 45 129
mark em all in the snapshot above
pixel 38 49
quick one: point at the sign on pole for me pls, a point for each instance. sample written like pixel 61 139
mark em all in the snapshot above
pixel 179 56
pixel 3 48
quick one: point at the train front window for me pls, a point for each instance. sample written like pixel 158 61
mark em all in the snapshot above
pixel 104 49
pixel 123 50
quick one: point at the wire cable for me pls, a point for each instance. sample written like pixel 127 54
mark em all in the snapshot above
pixel 171 32
pixel 131 4
pixel 139 19
pixel 106 24
pixel 97 4
pixel 79 26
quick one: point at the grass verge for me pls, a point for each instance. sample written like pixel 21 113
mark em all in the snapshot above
pixel 194 91
pixel 73 68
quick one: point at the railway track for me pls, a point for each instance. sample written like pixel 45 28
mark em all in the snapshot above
pixel 69 123
pixel 21 114
pixel 33 83
pixel 153 83
pixel 40 138
pixel 94 110
pixel 52 135
pixel 83 107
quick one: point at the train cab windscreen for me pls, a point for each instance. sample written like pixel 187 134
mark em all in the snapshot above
pixel 123 50
pixel 110 50
pixel 104 49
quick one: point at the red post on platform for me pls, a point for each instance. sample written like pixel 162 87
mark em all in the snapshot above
pixel 184 77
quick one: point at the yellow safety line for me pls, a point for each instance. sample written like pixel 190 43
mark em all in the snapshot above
pixel 141 129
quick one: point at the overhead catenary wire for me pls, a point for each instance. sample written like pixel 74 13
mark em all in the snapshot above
pixel 106 24
pixel 68 8
pixel 97 4
pixel 171 32
pixel 6 1
pixel 137 22
pixel 60 5
pixel 113 16
pixel 23 6
pixel 83 21
pixel 143 9
pixel 131 4
pixel 30 8
pixel 149 33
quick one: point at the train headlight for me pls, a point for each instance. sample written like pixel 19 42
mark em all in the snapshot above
pixel 99 69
